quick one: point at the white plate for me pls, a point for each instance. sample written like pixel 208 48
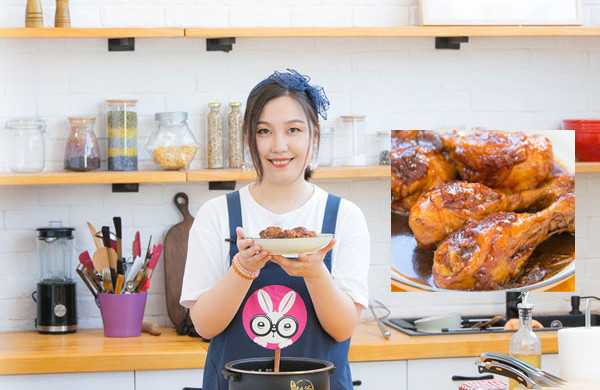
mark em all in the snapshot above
pixel 293 246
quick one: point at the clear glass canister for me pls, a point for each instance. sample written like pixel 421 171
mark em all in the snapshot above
pixel 121 124
pixel 215 136
pixel 355 133
pixel 81 151
pixel 26 152
pixel 56 252
pixel 236 137
pixel 172 144
pixel 383 147
pixel 326 147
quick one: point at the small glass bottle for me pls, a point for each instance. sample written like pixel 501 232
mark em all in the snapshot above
pixel 326 147
pixel 81 151
pixel 215 136
pixel 121 118
pixel 525 344
pixel 172 144
pixel 236 138
pixel 26 151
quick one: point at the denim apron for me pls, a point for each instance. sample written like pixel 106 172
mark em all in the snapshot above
pixel 276 295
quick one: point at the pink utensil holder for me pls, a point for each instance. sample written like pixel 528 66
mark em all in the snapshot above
pixel 122 314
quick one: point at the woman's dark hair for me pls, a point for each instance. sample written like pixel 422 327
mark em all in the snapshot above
pixel 256 102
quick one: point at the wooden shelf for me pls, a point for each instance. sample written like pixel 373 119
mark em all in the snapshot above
pixel 300 32
pixel 67 32
pixel 587 167
pixel 202 175
pixel 411 31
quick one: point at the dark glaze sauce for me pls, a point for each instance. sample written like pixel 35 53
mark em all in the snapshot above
pixel 415 263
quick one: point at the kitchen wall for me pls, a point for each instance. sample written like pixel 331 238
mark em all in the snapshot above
pixel 398 83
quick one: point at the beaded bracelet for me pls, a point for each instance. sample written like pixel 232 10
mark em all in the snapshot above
pixel 242 271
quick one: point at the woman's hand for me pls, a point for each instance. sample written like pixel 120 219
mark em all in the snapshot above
pixel 306 266
pixel 251 256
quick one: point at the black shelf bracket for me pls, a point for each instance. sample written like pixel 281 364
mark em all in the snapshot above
pixel 125 187
pixel 121 44
pixel 221 185
pixel 220 44
pixel 452 43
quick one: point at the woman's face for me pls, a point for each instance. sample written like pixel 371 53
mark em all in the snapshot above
pixel 283 140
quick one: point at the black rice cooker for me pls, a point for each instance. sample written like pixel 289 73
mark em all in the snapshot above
pixel 294 373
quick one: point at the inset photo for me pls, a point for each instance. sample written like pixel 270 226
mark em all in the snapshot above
pixel 480 210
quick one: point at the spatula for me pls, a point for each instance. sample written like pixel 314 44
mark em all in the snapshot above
pixel 97 241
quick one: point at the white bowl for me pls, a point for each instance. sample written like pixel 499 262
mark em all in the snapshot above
pixel 437 323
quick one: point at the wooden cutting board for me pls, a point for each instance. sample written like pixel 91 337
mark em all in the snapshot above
pixel 175 248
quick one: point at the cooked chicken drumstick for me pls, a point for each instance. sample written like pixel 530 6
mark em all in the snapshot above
pixel 446 207
pixel 418 165
pixel 483 255
pixel 510 161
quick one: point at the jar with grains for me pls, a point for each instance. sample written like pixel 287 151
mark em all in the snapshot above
pixel 26 152
pixel 172 144
pixel 383 147
pixel 236 138
pixel 81 151
pixel 326 147
pixel 122 123
pixel 215 136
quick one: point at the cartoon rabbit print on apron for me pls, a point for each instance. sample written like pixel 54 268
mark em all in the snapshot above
pixel 274 316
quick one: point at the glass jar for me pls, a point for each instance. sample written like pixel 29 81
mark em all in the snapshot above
pixel 383 147
pixel 236 137
pixel 354 130
pixel 215 136
pixel 81 151
pixel 172 144
pixel 326 147
pixel 26 151
pixel 121 118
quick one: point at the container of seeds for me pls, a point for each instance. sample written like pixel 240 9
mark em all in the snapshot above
pixel 122 123
pixel 172 144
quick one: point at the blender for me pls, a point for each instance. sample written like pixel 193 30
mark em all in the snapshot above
pixel 56 309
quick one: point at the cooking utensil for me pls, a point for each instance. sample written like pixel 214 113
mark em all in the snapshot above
pixel 85 259
pixel 117 222
pixel 509 372
pixel 119 283
pixel 277 359
pixel 175 248
pixel 499 362
pixel 136 248
pixel 88 283
pixel 107 280
pixel 96 239
pixel 486 324
pixel 112 255
pixel 384 331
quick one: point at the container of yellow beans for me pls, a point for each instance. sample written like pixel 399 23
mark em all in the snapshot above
pixel 172 144
pixel 121 124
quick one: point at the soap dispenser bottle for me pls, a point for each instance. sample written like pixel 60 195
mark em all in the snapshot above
pixel 525 344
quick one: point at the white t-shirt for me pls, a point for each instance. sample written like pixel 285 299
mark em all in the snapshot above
pixel 208 252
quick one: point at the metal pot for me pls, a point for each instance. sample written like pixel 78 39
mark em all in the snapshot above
pixel 294 373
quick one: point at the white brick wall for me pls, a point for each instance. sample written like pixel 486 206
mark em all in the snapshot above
pixel 399 83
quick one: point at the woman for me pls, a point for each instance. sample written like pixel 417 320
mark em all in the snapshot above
pixel 249 302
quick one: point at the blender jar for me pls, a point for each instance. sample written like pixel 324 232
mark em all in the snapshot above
pixel 26 151
pixel 56 251
pixel 172 144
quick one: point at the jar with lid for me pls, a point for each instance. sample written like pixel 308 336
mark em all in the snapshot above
pixel 354 132
pixel 27 152
pixel 121 117
pixel 81 151
pixel 525 344
pixel 236 137
pixel 383 147
pixel 172 144
pixel 215 136
pixel 326 147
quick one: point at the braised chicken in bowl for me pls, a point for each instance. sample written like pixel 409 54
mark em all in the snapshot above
pixel 505 222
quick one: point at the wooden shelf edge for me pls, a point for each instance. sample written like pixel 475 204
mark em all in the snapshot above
pixel 587 167
pixel 103 177
pixel 75 32
pixel 405 31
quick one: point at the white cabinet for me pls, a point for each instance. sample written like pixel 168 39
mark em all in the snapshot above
pixel 380 375
pixel 121 380
pixel 168 379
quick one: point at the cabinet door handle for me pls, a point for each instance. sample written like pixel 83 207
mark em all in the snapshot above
pixel 192 388
pixel 356 383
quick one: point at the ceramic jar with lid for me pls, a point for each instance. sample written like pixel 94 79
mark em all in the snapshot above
pixel 81 151
pixel 26 151
pixel 172 144
pixel 121 123
pixel 215 136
